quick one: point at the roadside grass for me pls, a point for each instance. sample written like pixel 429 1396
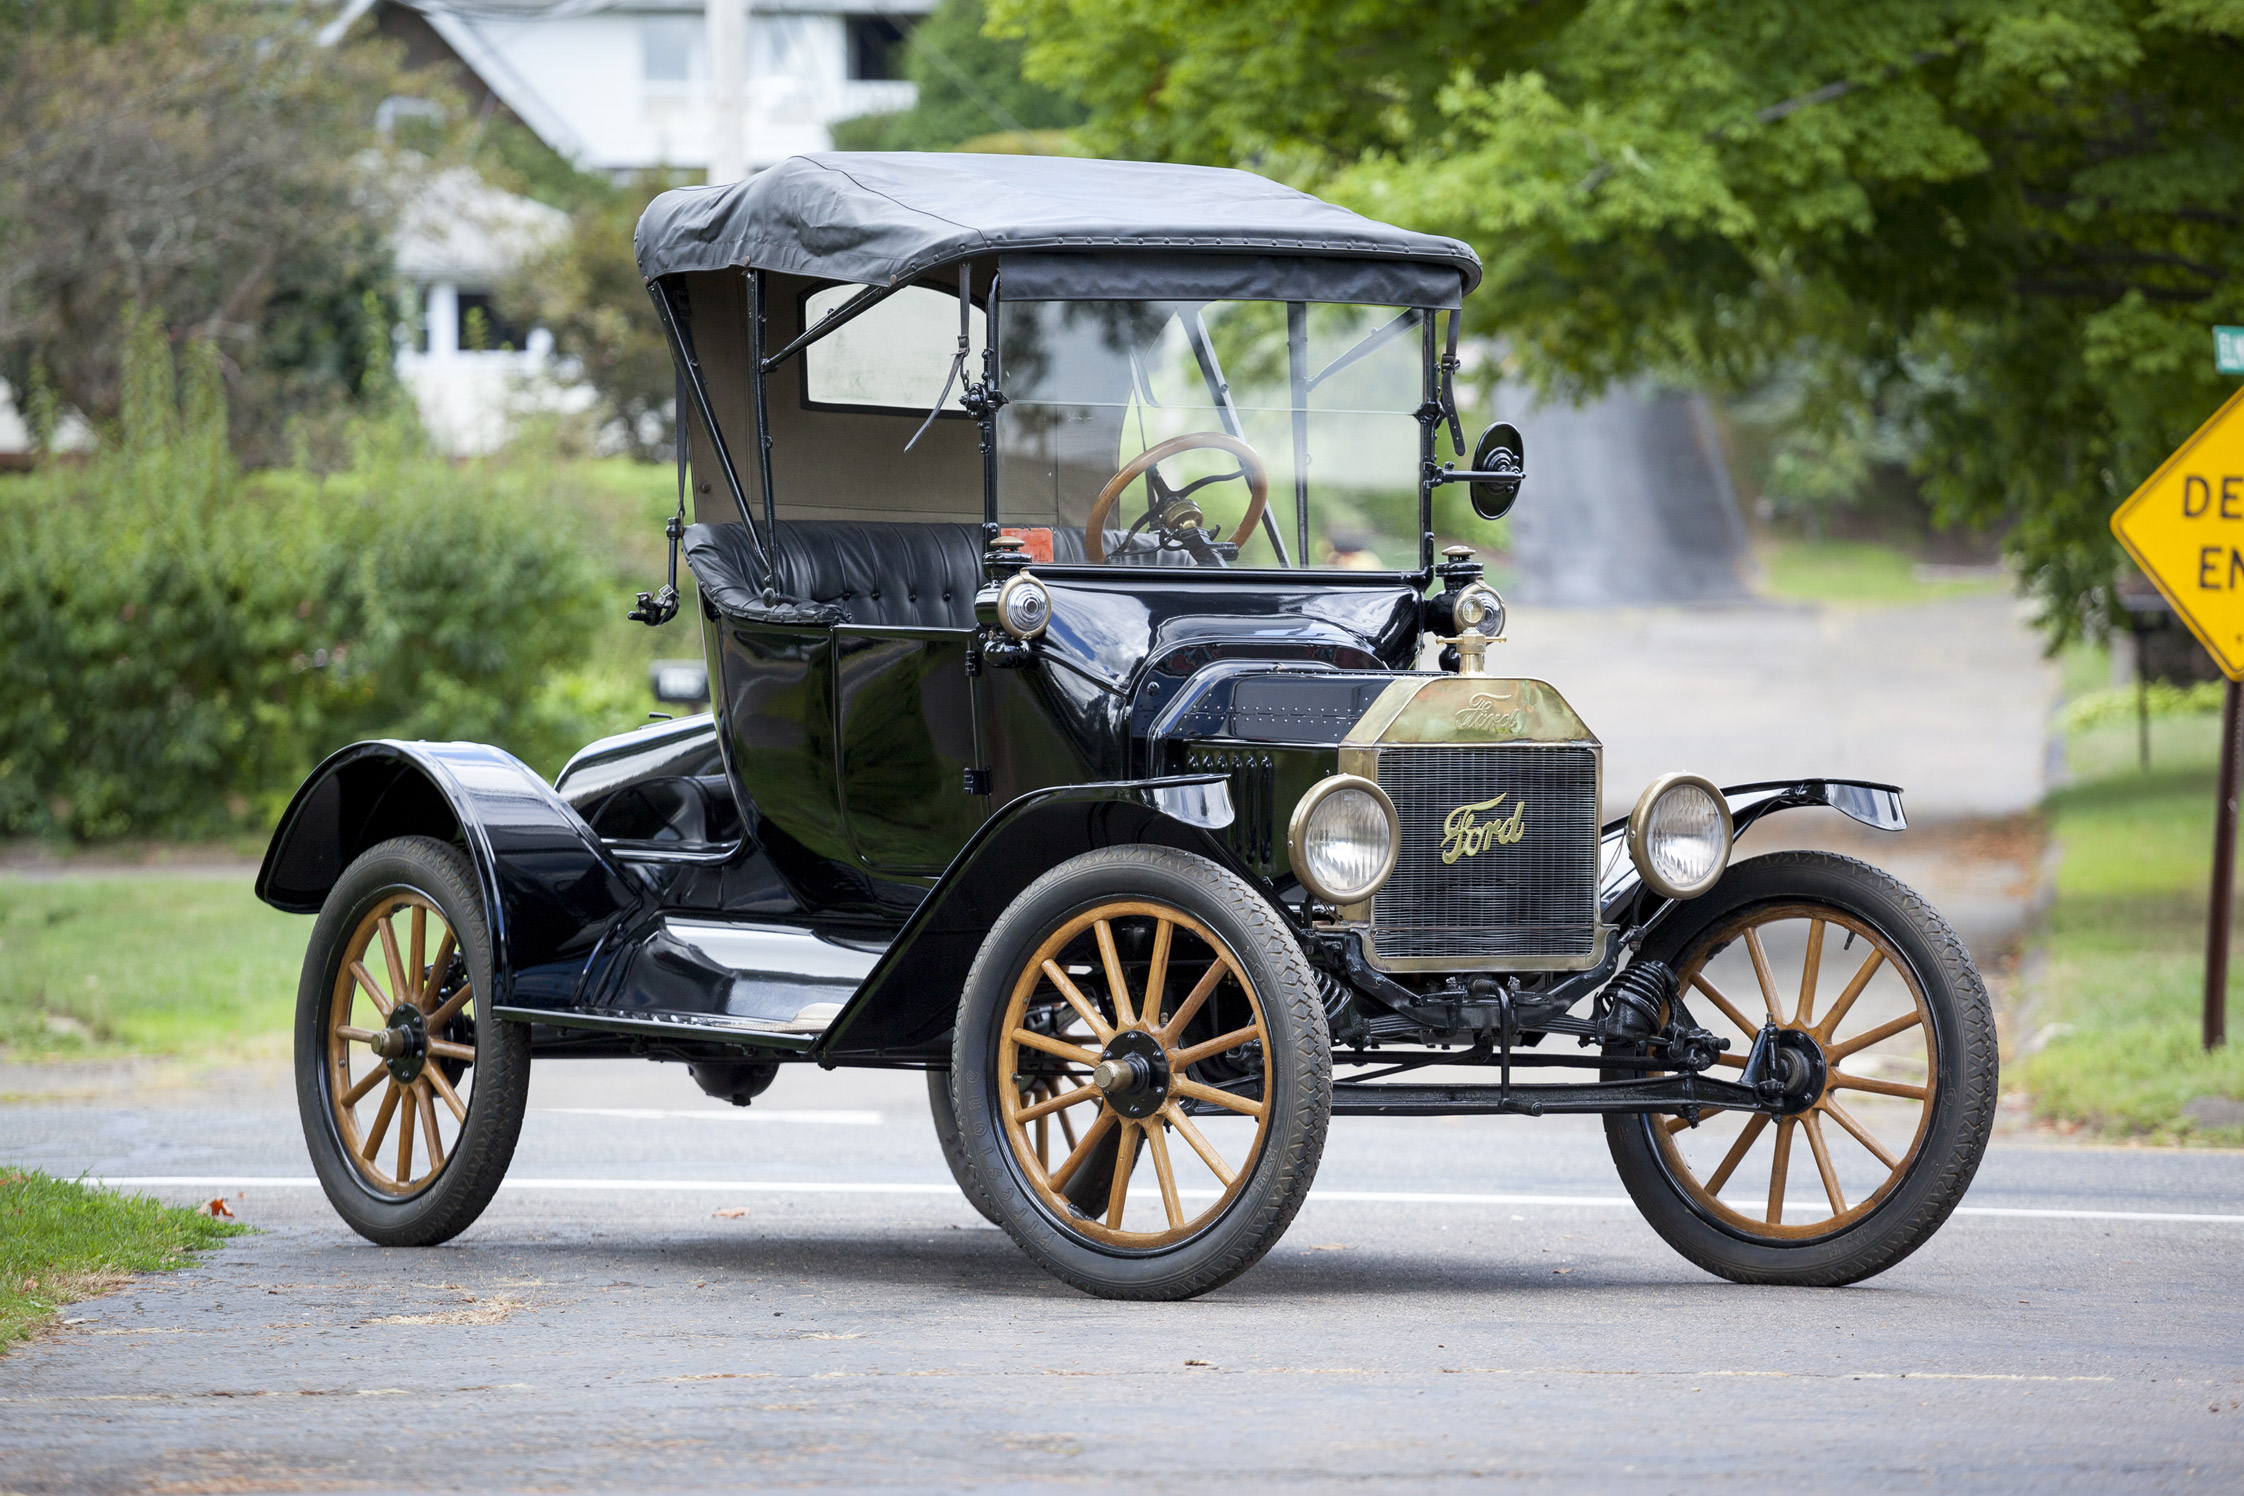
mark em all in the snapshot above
pixel 2117 1024
pixel 62 1241
pixel 1857 571
pixel 184 965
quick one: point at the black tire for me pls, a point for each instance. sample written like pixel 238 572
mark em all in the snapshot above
pixel 1929 973
pixel 1056 1221
pixel 954 1147
pixel 400 1209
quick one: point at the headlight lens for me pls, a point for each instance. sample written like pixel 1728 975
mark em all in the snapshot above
pixel 1679 835
pixel 1024 606
pixel 1343 839
pixel 1479 610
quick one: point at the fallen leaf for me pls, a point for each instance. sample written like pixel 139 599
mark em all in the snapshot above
pixel 1195 1363
pixel 1561 1271
pixel 730 1213
pixel 217 1207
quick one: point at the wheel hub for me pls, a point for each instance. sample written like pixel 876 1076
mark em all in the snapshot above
pixel 1133 1074
pixel 1796 1061
pixel 404 1043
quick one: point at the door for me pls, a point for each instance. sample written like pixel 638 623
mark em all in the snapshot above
pixel 906 739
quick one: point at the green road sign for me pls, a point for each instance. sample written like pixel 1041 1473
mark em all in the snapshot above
pixel 2228 349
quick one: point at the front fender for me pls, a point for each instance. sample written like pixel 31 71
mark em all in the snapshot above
pixel 911 996
pixel 550 890
pixel 1624 899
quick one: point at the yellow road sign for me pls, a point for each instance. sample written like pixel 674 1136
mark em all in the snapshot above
pixel 2185 529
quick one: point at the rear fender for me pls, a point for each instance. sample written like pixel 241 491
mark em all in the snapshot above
pixel 909 1000
pixel 550 891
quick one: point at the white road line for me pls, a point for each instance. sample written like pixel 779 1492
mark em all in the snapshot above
pixel 843 1187
pixel 833 1117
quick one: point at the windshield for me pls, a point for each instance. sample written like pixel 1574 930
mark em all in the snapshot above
pixel 1141 433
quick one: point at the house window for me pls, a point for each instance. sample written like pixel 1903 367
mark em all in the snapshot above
pixel 893 357
pixel 876 47
pixel 482 329
pixel 666 48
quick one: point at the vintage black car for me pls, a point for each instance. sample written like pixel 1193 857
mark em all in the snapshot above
pixel 1098 730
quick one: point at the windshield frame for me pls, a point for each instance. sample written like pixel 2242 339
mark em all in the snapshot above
pixel 1429 415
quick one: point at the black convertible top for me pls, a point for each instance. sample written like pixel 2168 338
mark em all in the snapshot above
pixel 1068 228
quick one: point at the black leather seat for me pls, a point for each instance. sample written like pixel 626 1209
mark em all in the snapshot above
pixel 879 574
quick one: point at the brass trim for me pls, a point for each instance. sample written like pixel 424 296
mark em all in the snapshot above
pixel 1641 816
pixel 1318 793
pixel 1483 963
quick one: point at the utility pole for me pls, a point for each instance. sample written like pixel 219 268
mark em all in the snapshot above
pixel 728 89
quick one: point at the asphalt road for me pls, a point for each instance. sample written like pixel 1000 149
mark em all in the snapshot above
pixel 1462 1301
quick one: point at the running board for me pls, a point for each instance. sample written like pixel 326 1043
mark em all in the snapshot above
pixel 717 1028
pixel 1668 1093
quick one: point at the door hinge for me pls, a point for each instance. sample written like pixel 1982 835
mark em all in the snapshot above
pixel 977 781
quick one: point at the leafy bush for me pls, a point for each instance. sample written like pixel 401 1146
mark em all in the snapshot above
pixel 182 642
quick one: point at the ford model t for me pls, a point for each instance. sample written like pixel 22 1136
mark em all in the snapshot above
pixel 1098 728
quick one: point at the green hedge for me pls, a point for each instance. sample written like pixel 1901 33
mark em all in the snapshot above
pixel 181 642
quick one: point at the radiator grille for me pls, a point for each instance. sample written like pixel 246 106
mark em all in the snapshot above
pixel 1534 898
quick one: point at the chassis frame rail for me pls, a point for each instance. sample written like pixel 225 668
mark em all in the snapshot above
pixel 1671 1093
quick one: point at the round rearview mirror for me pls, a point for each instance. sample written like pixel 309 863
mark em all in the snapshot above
pixel 1503 452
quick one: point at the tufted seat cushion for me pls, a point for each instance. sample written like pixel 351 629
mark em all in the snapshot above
pixel 881 575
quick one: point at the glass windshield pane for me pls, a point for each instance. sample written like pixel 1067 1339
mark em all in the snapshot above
pixel 1317 400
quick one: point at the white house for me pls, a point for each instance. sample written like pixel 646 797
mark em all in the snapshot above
pixel 623 85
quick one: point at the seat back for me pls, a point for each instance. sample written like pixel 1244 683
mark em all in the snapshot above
pixel 884 575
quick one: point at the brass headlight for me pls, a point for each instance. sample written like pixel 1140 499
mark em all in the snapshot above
pixel 1478 609
pixel 1343 839
pixel 1679 835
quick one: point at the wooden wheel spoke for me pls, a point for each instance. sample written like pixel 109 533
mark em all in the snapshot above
pixel 446 1049
pixel 1058 1102
pixel 354 1035
pixel 1077 1001
pixel 382 1117
pixel 1125 1164
pixel 1861 1134
pixel 1729 1009
pixel 431 1139
pixel 1906 1021
pixel 1217 970
pixel 1734 1061
pixel 1198 1142
pixel 1091 1136
pixel 1779 1168
pixel 1118 986
pixel 434 1075
pixel 1675 1125
pixel 405 1116
pixel 416 946
pixel 1225 1099
pixel 366 1083
pixel 1812 1125
pixel 365 979
pixel 1842 1081
pixel 1803 1015
pixel 441 1015
pixel 399 987
pixel 1761 971
pixel 1215 1046
pixel 1067 1129
pixel 1730 1161
pixel 1157 1142
pixel 1052 1046
pixel 1855 984
pixel 1157 973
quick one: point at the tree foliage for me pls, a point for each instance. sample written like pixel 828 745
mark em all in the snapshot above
pixel 970 86
pixel 2007 226
pixel 203 161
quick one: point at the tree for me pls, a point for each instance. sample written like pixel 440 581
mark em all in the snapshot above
pixel 204 162
pixel 2007 225
pixel 970 87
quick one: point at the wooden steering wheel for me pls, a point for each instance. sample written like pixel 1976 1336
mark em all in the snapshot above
pixel 1251 467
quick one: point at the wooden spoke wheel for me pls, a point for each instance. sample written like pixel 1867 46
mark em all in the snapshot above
pixel 401 1043
pixel 1116 1054
pixel 1141 1073
pixel 411 1092
pixel 1886 1011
